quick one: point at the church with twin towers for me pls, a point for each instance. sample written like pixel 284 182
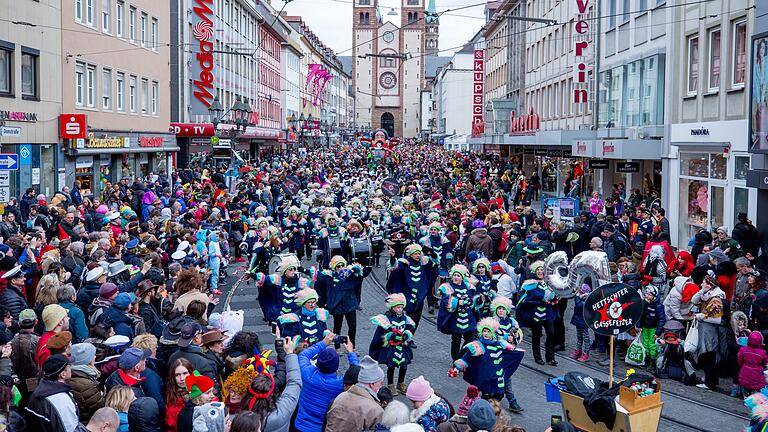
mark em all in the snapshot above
pixel 391 63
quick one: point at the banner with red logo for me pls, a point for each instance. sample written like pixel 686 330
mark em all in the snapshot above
pixel 73 126
pixel 202 64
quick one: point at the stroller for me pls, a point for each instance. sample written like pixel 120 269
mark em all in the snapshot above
pixel 673 362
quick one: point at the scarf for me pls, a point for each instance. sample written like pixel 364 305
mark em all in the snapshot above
pixel 87 370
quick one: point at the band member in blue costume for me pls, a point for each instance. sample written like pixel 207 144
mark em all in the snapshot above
pixel 441 256
pixel 410 276
pixel 337 288
pixel 458 303
pixel 484 284
pixel 309 323
pixel 391 343
pixel 276 291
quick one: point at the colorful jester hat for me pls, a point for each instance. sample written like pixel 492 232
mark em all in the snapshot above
pixel 198 384
pixel 260 362
pixel 488 323
pixel 396 299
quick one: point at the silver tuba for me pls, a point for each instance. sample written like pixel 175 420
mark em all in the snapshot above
pixel 564 278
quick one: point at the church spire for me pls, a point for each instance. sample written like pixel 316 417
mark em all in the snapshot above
pixel 431 15
pixel 432 8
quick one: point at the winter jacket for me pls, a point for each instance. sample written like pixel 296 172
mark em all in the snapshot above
pixel 86 294
pixel 653 315
pixel 340 293
pixel 479 241
pixel 23 350
pixel 752 360
pixel 577 320
pixel 318 390
pixel 457 423
pixel 86 390
pixel 279 420
pixel 123 416
pixel 119 320
pixel 674 308
pixel 184 420
pixel 172 411
pixel 51 408
pixel 13 300
pixel 120 378
pixel 747 236
pixel 77 324
pixel 144 416
pixel 195 355
pixel 534 304
pixel 434 411
pixel 354 410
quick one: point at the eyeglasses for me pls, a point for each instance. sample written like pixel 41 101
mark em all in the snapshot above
pixel 291 269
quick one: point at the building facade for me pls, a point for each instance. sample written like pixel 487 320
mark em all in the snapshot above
pixel 30 96
pixel 453 94
pixel 388 66
pixel 114 62
pixel 708 137
pixel 758 172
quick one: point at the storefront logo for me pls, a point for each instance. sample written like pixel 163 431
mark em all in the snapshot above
pixel 150 142
pixel 203 31
pixel 106 142
pixel 524 124
pixel 72 126
pixel 608 148
pixel 581 48
pixel 702 131
pixel 581 147
pixel 18 116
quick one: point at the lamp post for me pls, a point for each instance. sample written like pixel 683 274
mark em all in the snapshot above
pixel 239 116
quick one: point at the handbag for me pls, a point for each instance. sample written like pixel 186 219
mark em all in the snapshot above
pixel 692 338
pixel 636 352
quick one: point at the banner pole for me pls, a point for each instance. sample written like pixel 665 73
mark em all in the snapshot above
pixel 610 367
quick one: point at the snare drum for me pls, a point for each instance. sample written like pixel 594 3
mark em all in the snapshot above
pixel 334 245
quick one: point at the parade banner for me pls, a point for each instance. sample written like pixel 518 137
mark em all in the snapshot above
pixel 314 68
pixel 291 184
pixel 390 187
pixel 613 309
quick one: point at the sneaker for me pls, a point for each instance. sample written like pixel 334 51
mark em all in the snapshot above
pixel 516 408
pixel 575 354
pixel 604 362
pixel 583 358
pixel 702 386
pixel 393 389
pixel 216 292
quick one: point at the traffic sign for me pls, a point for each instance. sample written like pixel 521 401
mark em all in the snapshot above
pixel 25 151
pixel 9 161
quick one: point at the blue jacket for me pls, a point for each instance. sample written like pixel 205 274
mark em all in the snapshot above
pixel 154 387
pixel 338 293
pixel 77 324
pixel 118 320
pixel 577 320
pixel 318 390
pixel 653 316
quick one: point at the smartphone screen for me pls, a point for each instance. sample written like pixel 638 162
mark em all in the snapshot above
pixel 556 419
pixel 274 328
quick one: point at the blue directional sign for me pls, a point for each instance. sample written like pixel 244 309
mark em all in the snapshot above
pixel 9 161
pixel 25 151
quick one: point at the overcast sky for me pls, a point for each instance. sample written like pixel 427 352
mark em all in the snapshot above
pixel 331 20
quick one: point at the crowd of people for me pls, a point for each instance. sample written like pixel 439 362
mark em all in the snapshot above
pixel 111 317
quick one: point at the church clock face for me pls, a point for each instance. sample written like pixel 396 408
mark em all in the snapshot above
pixel 388 80
pixel 388 37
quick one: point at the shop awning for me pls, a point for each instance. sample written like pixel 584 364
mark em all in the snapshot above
pixel 99 151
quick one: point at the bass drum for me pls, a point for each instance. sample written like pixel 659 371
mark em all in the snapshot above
pixel 362 249
pixel 334 245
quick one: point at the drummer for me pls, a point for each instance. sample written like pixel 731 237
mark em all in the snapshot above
pixel 339 288
pixel 441 257
pixel 332 239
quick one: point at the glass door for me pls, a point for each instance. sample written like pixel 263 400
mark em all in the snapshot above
pixel 716 207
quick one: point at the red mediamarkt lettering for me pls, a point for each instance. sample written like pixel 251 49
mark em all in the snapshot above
pixel 204 83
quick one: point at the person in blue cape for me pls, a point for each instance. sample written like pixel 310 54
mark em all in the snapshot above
pixel 510 332
pixel 458 304
pixel 391 343
pixel 441 256
pixel 276 291
pixel 484 284
pixel 310 323
pixel 337 288
pixel 535 311
pixel 332 239
pixel 489 362
pixel 410 276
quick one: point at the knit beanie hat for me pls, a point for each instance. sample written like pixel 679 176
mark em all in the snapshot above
pixel 336 261
pixel 210 417
pixel 535 266
pixel 469 398
pixel 350 376
pixel 460 269
pixel 304 296
pixel 412 249
pixel 481 416
pixel 395 300
pixel 82 354
pixel 370 372
pixel 481 261
pixel 419 390
pixel 198 384
pixel 52 316
pixel 328 361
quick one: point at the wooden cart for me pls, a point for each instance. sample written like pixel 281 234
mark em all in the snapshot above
pixel 644 419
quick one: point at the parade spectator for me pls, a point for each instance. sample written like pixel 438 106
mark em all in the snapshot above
pixel 51 406
pixel 429 409
pixel 358 408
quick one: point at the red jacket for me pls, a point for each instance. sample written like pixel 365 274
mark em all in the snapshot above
pixel 172 411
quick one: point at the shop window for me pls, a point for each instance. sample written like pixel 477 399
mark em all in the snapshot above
pixel 694 164
pixel 718 166
pixel 742 167
pixel 740 201
pixel 694 206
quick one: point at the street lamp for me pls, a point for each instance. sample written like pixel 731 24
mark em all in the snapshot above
pixel 239 117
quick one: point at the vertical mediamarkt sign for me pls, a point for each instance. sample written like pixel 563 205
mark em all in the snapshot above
pixel 581 49
pixel 202 67
pixel 478 74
